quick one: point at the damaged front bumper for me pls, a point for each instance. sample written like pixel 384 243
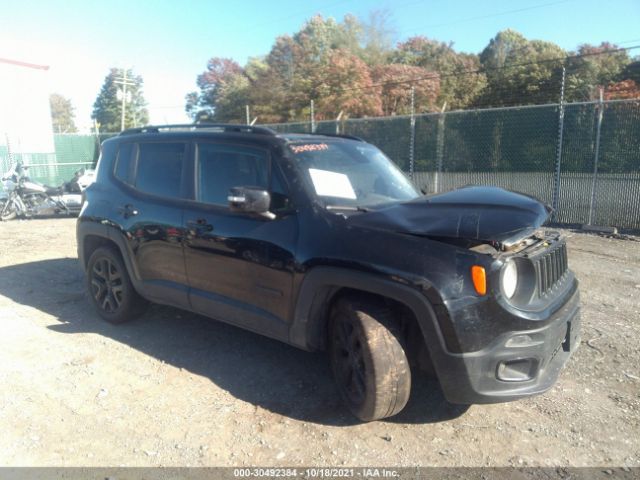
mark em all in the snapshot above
pixel 516 364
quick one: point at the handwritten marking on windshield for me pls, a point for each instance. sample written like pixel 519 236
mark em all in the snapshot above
pixel 309 147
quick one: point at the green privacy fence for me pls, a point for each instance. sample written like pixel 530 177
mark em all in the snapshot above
pixel 581 158
pixel 72 152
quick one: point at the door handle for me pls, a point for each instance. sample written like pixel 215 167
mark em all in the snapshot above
pixel 128 211
pixel 200 225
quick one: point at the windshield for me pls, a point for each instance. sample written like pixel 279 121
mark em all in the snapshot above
pixel 352 174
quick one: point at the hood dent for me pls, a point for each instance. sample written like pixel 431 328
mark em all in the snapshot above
pixel 482 214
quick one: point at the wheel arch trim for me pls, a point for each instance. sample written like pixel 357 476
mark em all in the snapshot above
pixel 110 233
pixel 321 283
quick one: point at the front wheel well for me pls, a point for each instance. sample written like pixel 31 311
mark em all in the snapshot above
pixel 417 350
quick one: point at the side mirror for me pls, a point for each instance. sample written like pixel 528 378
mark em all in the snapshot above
pixel 250 200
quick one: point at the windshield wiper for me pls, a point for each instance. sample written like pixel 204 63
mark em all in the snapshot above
pixel 349 208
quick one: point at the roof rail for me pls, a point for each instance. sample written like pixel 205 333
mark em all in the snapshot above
pixel 223 127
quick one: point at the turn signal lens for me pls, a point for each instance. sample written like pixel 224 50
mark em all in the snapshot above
pixel 479 277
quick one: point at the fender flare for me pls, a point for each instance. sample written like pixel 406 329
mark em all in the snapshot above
pixel 112 234
pixel 321 283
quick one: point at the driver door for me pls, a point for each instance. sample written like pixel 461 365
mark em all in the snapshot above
pixel 239 266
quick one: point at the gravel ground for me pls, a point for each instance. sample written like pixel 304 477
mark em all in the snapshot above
pixel 177 389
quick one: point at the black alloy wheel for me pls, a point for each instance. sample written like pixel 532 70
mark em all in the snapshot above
pixel 368 359
pixel 106 285
pixel 110 288
pixel 349 362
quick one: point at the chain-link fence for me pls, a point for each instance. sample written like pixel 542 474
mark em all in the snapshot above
pixel 581 158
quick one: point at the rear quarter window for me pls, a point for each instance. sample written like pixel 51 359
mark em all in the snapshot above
pixel 124 162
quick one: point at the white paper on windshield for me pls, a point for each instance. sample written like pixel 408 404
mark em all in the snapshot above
pixel 331 184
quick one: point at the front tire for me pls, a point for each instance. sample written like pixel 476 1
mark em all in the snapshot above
pixel 368 359
pixel 7 210
pixel 110 288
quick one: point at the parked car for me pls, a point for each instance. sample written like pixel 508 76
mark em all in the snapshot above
pixel 321 242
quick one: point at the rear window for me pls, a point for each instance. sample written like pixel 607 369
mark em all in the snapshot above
pixel 159 170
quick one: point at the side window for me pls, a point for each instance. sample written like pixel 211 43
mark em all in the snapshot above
pixel 222 167
pixel 159 170
pixel 122 169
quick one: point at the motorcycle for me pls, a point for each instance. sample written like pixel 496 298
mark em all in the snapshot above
pixel 26 198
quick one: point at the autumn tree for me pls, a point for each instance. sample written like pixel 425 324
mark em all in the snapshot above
pixel 396 81
pixel 520 71
pixel 625 89
pixel 107 109
pixel 62 114
pixel 223 91
pixel 460 83
pixel 273 95
pixel 346 86
pixel 592 67
pixel 299 68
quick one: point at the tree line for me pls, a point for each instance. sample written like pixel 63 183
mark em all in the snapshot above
pixel 352 67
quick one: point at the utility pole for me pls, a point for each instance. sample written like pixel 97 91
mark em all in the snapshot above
pixel 556 186
pixel 595 158
pixel 124 81
pixel 412 132
pixel 313 118
pixel 247 113
pixel 439 147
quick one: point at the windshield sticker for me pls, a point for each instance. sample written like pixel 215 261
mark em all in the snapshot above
pixel 309 147
pixel 331 184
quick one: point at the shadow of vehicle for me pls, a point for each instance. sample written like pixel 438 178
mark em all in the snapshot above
pixel 264 372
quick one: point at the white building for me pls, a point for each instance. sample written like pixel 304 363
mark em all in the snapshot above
pixel 26 131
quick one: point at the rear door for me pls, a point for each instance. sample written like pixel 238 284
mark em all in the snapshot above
pixel 153 180
pixel 240 266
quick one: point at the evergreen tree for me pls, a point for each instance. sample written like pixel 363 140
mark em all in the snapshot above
pixel 107 109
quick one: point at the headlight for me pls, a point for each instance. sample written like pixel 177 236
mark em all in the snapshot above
pixel 509 278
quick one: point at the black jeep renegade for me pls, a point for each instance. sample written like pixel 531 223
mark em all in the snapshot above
pixel 321 242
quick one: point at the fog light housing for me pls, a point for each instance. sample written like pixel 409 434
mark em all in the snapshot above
pixel 519 370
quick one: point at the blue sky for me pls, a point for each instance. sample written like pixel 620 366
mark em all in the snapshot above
pixel 169 42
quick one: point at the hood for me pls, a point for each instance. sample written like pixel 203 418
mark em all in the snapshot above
pixel 484 214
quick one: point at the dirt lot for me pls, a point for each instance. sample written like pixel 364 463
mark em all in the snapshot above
pixel 178 389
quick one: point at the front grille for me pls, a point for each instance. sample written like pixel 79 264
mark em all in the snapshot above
pixel 550 267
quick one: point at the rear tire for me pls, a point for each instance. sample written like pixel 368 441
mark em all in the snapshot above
pixel 110 289
pixel 368 359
